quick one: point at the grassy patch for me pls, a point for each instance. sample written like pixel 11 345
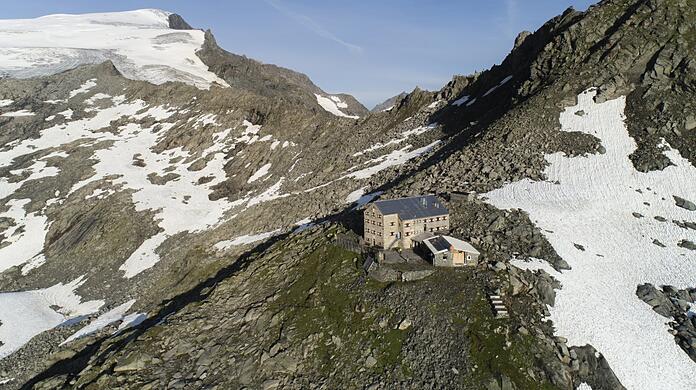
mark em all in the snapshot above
pixel 322 301
pixel 492 354
pixel 389 346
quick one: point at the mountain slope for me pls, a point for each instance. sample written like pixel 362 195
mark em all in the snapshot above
pixel 270 80
pixel 389 103
pixel 120 192
pixel 554 164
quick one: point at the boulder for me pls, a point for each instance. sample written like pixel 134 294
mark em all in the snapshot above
pixel 408 276
pixel 405 324
pixel 683 203
pixel 655 298
pixel 133 362
pixel 687 244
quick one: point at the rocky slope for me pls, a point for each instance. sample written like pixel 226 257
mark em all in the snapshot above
pixel 119 192
pixel 163 195
pixel 389 103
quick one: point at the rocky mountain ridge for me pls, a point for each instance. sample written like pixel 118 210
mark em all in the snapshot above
pixel 389 103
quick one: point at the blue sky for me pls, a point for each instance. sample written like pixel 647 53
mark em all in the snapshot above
pixel 370 49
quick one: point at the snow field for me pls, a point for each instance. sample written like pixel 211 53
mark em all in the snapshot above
pixel 592 205
pixel 25 314
pixel 139 43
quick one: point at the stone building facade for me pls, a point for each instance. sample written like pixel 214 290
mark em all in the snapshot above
pixel 393 223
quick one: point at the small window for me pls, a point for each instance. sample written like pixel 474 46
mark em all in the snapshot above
pixel 408 234
pixel 391 233
pixel 392 223
pixel 408 224
pixel 444 218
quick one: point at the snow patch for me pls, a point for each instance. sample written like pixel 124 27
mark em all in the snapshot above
pixel 403 136
pixel 501 83
pixel 360 198
pixel 245 239
pixel 131 320
pixel 36 171
pixel 25 314
pixel 84 88
pixel 355 195
pixel 18 113
pixel 35 262
pixel 67 114
pixel 261 172
pixel 26 237
pixel 434 104
pixel 271 193
pixel 108 318
pixel 333 104
pixel 396 157
pixel 303 225
pixel 461 100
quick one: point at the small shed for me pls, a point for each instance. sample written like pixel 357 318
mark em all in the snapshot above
pixel 446 251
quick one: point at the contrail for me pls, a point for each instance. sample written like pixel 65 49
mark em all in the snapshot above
pixel 309 23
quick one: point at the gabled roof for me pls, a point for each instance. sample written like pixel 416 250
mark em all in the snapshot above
pixel 439 244
pixel 412 207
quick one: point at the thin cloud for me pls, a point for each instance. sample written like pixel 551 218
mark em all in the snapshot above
pixel 309 23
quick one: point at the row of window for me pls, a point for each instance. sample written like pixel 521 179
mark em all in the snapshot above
pixel 377 232
pixel 436 228
pixel 434 219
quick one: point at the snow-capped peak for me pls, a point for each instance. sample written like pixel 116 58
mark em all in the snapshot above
pixel 140 17
pixel 140 43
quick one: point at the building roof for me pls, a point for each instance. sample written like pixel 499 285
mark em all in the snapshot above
pixel 422 236
pixel 461 245
pixel 412 207
pixel 438 244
